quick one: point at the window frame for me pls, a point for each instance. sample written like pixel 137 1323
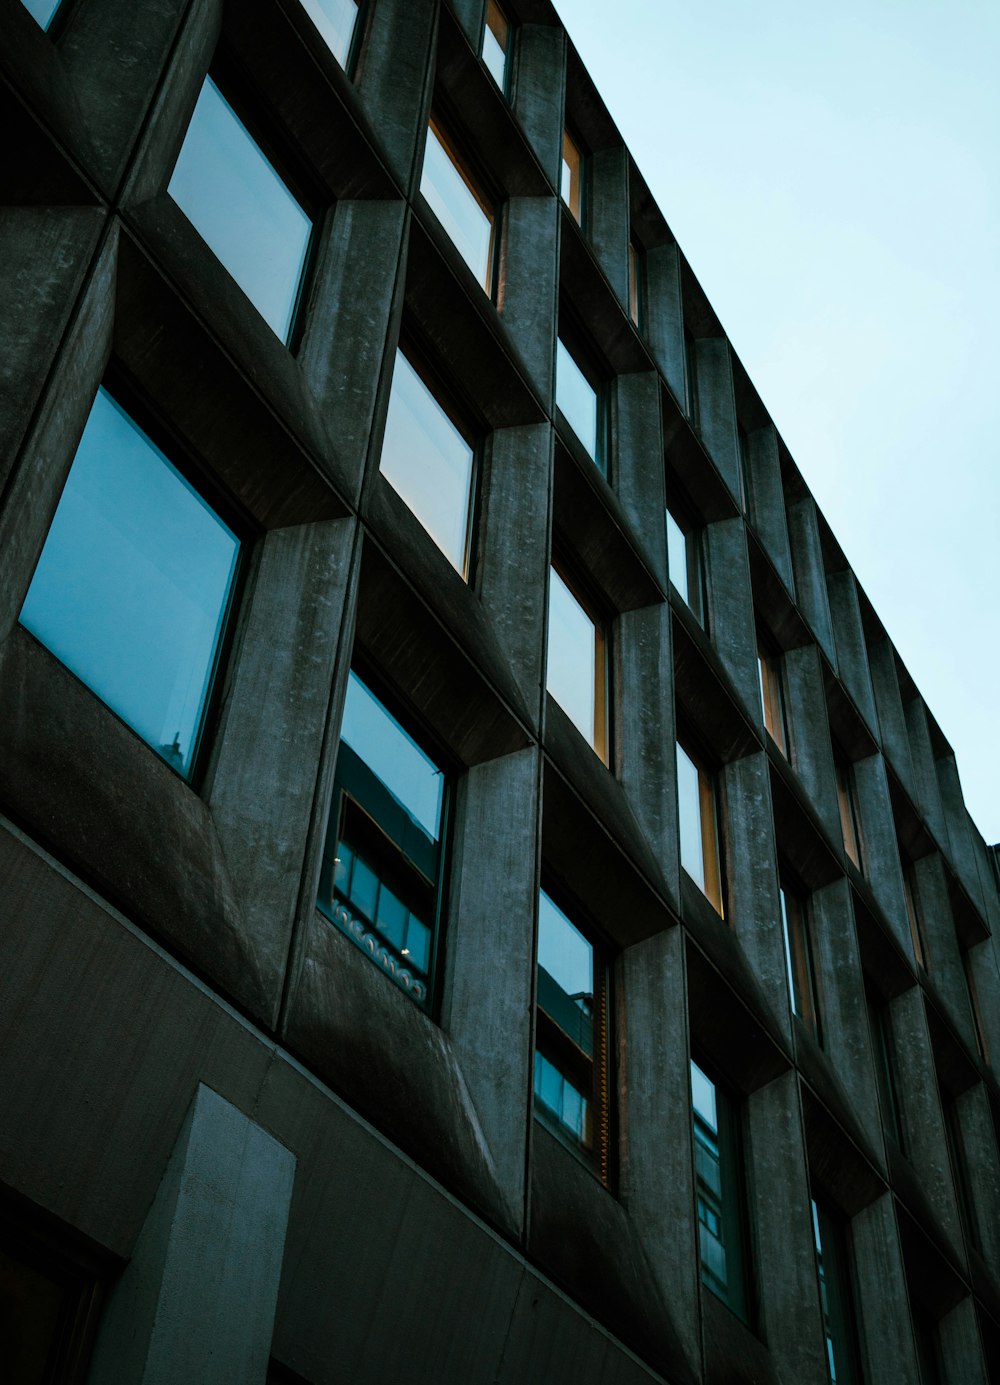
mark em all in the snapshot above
pixel 709 815
pixel 601 1160
pixel 504 87
pixel 148 418
pixel 739 1292
pixel 441 125
pixel 795 927
pixel 771 684
pixel 601 742
pixel 416 730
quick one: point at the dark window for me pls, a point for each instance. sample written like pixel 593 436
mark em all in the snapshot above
pixel 691 403
pixel 457 200
pixel 925 1335
pixel 134 584
pixel 913 915
pixel 382 878
pixel 798 956
pixel 977 1013
pixel 576 671
pixel 579 401
pixel 698 823
pixel 960 1168
pixel 336 21
pixel 497 37
pixel 720 1193
pixel 848 805
pixel 880 1025
pixel 685 565
pixel 42 11
pixel 428 458
pixel 571 176
pixel 744 457
pixel 772 695
pixel 635 294
pixel 240 205
pixel 571 1038
pixel 836 1299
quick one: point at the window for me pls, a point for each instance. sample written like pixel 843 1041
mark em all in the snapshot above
pixel 880 1026
pixel 336 21
pixel 48 1308
pixel 576 667
pixel 458 204
pixel 429 461
pixel 230 192
pixel 579 402
pixel 382 877
pixel 634 283
pixel 977 1013
pixel 798 957
pixel 719 1192
pixel 134 584
pixel 743 443
pixel 691 378
pixel 772 698
pixel 917 936
pixel 959 1167
pixel 835 1298
pixel 847 803
pixel 698 827
pixel 42 11
pixel 571 177
pixel 571 1078
pixel 684 562
pixel 496 44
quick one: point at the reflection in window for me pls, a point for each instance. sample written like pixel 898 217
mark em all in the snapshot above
pixel 229 191
pixel 698 828
pixel 382 867
pixel 685 565
pixel 571 176
pixel 576 674
pixel 496 44
pixel 458 204
pixel 571 1058
pixel 772 698
pixel 798 958
pixel 835 1297
pixel 42 11
pixel 847 803
pixel 132 589
pixel 578 401
pixel 336 21
pixel 429 462
pixel 719 1192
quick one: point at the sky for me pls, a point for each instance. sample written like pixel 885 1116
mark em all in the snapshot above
pixel 832 174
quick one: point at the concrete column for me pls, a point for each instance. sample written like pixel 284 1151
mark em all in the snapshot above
pixel 786 1279
pixel 852 659
pixel 529 287
pixel 665 315
pixel 959 828
pixel 395 77
pixel 880 846
pixel 810 581
pixel 887 1348
pixel 717 409
pixel 809 732
pixel 766 500
pixel 925 781
pixel 636 427
pixel 944 958
pixel 608 215
pixel 891 721
pixel 539 92
pixel 197 1299
pixel 471 15
pixel 657 1181
pixel 730 608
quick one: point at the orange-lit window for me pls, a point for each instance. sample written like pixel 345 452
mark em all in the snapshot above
pixel 496 45
pixel 848 812
pixel 772 696
pixel 571 182
pixel 634 283
pixel 699 834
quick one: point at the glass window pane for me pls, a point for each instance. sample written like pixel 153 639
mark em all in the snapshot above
pixel 335 20
pixel 563 951
pixel 703 1097
pixel 571 176
pixel 689 811
pixel 42 10
pixel 132 586
pixel 231 194
pixel 428 462
pixel 496 38
pixel 571 669
pixel 412 777
pixel 677 556
pixel 457 206
pixel 577 399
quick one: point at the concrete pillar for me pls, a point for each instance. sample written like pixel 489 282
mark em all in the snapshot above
pixel 529 288
pixel 887 1348
pixel 880 846
pixel 766 500
pixel 925 782
pixel 608 215
pixel 960 830
pixel 944 957
pixel 665 315
pixel 197 1299
pixel 852 659
pixel 636 427
pixel 717 409
pixel 891 721
pixel 471 15
pixel 539 92
pixel 731 612
pixel 394 79
pixel 810 582
pixel 809 732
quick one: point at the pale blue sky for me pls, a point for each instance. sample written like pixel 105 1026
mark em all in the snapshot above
pixel 832 173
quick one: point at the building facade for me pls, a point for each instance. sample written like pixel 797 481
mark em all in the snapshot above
pixel 481 897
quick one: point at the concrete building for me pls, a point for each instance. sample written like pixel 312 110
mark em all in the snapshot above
pixel 481 898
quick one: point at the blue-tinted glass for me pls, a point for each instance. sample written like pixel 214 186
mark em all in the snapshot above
pixel 563 950
pixel 412 777
pixel 577 399
pixel 418 945
pixel 392 917
pixel 677 556
pixel 457 206
pixel 133 583
pixel 335 20
pixel 428 462
pixel 42 10
pixel 571 664
pixel 231 194
pixel 689 810
pixel 703 1097
pixel 364 888
pixel 496 38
